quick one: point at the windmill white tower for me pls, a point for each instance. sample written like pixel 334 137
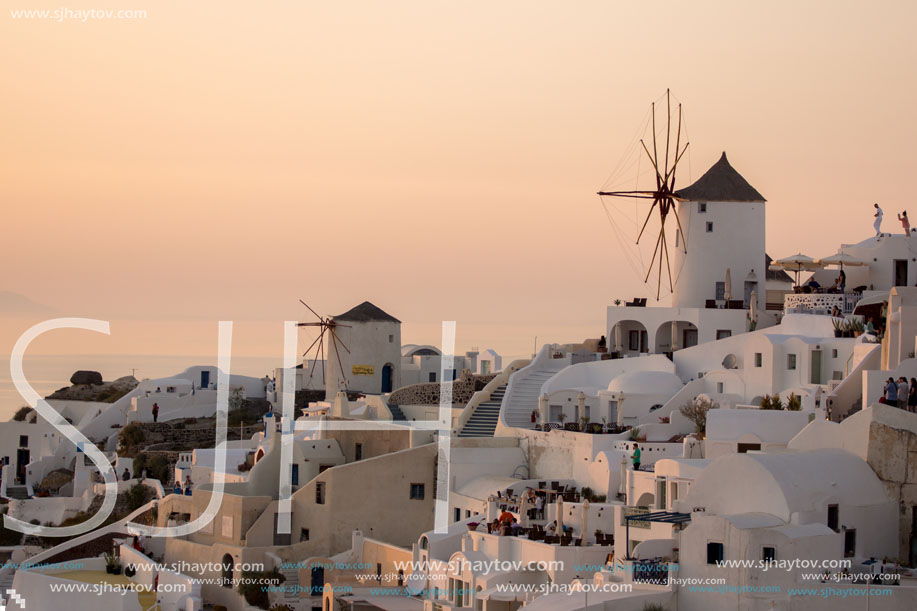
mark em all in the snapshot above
pixel 722 218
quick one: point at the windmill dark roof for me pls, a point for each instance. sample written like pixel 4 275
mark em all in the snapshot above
pixel 721 183
pixel 366 312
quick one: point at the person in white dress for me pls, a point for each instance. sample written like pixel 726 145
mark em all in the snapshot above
pixel 878 222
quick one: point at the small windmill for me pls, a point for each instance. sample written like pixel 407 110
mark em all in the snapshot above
pixel 327 326
pixel 663 195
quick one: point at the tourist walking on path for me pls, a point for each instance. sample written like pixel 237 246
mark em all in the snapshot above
pixel 155 411
pixel 878 222
pixel 636 457
pixel 912 395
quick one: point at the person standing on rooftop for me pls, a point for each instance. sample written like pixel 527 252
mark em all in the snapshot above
pixel 905 223
pixel 878 222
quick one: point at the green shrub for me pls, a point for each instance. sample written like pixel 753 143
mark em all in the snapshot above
pixel 137 496
pixel 241 417
pixel 130 439
pixel 793 403
pixel 254 585
pixel 771 402
pixel 157 467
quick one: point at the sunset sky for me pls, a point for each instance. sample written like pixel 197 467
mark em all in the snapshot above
pixel 222 159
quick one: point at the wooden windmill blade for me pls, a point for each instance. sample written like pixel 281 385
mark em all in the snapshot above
pixel 664 195
pixel 338 339
pixel 319 349
pixel 311 310
pixel 311 345
pixel 337 353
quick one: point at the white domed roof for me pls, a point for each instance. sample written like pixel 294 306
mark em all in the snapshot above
pixel 646 383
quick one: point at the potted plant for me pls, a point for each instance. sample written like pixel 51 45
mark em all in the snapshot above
pixel 112 564
pixel 473 525
pixel 561 417
pixel 857 327
pixel 838 326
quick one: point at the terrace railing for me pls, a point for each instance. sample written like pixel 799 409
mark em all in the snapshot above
pixel 820 303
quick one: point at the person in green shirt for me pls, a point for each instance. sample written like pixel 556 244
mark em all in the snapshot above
pixel 636 457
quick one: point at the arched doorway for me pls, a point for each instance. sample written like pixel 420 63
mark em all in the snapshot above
pixel 675 335
pixel 227 571
pixel 387 378
pixel 629 337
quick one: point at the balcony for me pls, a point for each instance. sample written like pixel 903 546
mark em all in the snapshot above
pixel 820 303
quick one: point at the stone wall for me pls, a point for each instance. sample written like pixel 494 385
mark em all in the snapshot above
pixel 428 393
pixel 892 454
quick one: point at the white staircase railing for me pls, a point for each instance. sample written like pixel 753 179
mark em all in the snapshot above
pixel 483 395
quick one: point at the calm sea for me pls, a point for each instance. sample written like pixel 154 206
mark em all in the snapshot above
pixel 47 373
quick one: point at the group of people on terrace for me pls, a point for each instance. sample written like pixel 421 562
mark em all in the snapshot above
pixel 185 488
pixel 814 286
pixel 900 393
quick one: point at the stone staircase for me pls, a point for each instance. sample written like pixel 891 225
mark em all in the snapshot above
pixel 518 405
pixel 290 586
pixel 397 414
pixel 17 492
pixel 483 421
pixel 6 582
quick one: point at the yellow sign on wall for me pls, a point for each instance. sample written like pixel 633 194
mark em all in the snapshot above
pixel 362 370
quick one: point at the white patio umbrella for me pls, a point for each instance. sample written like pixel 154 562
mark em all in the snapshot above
pixel 585 520
pixel 524 510
pixel 727 292
pixel 622 487
pixel 842 259
pixel 753 311
pixel 797 263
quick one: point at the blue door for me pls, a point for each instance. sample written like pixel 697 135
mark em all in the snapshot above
pixel 295 476
pixel 387 378
pixel 205 379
